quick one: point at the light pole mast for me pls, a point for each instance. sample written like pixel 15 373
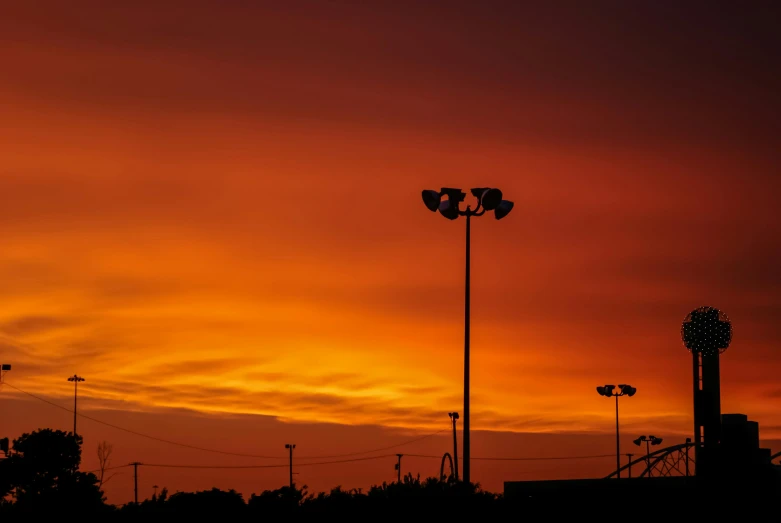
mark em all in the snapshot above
pixel 488 199
pixel 623 390
pixel 290 447
pixel 75 379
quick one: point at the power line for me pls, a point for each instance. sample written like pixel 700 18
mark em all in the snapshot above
pixel 202 449
pixel 379 449
pixel 520 459
pixel 216 451
pixel 165 465
pixel 225 452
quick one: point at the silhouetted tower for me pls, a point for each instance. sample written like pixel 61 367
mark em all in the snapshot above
pixel 706 332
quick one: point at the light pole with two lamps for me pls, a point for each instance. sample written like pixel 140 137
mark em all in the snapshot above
pixel 488 199
pixel 649 440
pixel 623 390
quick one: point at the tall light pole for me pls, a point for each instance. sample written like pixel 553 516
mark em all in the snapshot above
pixel 290 447
pixel 454 418
pixel 75 379
pixel 398 467
pixel 623 390
pixel 649 440
pixel 488 199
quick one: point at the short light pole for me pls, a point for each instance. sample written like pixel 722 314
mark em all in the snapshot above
pixel 649 440
pixel 4 367
pixel 135 481
pixel 623 390
pixel 688 444
pixel 75 379
pixel 629 461
pixel 398 467
pixel 154 496
pixel 290 447
pixel 454 418
pixel 488 199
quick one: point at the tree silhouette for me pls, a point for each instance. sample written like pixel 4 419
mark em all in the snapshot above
pixel 104 451
pixel 43 474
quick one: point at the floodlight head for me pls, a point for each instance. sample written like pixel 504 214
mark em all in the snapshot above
pixel 503 209
pixel 638 441
pixel 609 388
pixel 489 198
pixel 448 209
pixel 628 390
pixel 455 195
pixel 602 391
pixel 478 192
pixel 656 441
pixel 5 366
pixel 431 199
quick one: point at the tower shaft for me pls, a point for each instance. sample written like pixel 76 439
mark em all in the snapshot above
pixel 707 407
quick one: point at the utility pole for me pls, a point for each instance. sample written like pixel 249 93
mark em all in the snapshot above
pixel 398 467
pixel 290 447
pixel 75 379
pixel 135 480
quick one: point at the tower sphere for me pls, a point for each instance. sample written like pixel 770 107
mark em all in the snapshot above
pixel 707 331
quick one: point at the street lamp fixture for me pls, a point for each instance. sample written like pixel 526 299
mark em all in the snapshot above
pixel 609 391
pixel 649 440
pixel 5 367
pixel 75 379
pixel 447 201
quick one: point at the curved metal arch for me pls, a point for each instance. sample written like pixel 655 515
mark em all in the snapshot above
pixel 653 459
pixel 774 456
pixel 442 467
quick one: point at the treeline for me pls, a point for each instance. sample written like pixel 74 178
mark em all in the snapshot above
pixel 41 475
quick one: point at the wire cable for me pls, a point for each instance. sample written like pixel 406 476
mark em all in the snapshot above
pixel 519 459
pixel 165 465
pixel 377 450
pixel 216 451
pixel 176 443
pixel 225 452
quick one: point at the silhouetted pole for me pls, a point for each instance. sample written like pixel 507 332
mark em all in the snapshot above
pixel 75 379
pixel 454 417
pixel 630 464
pixel 607 391
pixel 688 443
pixel 398 467
pixel 154 496
pixel 467 453
pixel 618 444
pixel 290 447
pixel 488 199
pixel 135 480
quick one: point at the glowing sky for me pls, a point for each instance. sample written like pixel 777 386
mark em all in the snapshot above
pixel 215 207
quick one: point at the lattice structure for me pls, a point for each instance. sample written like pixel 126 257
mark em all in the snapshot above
pixel 677 460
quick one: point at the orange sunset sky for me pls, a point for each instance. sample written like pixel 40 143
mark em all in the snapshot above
pixel 211 211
